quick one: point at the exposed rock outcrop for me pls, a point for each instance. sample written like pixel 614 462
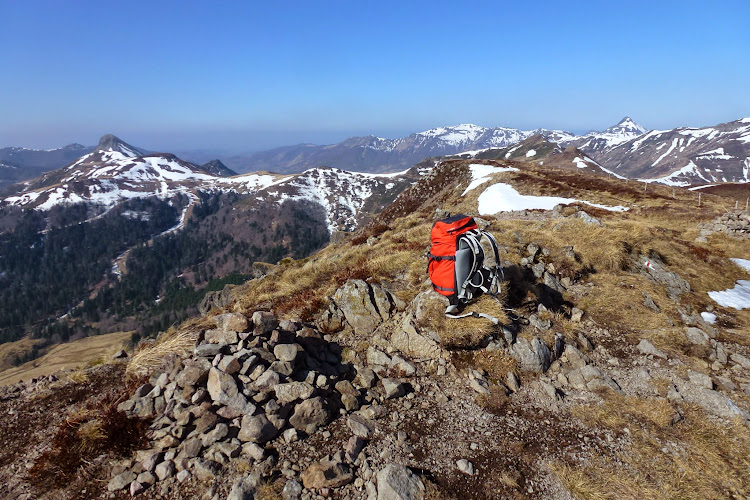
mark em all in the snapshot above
pixel 249 383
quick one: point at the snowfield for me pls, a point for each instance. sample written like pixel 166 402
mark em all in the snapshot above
pixel 251 182
pixel 481 173
pixel 708 317
pixel 737 297
pixel 673 179
pixel 504 198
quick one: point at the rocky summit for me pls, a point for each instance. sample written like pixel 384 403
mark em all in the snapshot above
pixel 620 356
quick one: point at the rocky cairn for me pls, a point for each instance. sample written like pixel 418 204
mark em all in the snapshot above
pixel 250 383
pixel 735 223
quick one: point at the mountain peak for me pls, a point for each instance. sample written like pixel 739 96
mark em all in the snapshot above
pixel 111 142
pixel 626 125
pixel 217 167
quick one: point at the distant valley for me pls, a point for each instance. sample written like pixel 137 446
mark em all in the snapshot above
pixel 124 239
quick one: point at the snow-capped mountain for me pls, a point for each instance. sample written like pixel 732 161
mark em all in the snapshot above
pixel 680 157
pixel 685 156
pixel 542 151
pixel 116 171
pixel 345 196
pixel 595 143
pixel 376 154
pixel 113 172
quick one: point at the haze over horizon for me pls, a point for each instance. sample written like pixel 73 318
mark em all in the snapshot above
pixel 239 77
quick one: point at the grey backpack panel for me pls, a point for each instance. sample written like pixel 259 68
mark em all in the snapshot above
pixel 464 264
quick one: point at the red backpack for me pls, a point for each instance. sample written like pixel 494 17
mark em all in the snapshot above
pixel 457 262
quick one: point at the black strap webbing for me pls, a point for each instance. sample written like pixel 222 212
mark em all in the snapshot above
pixel 441 257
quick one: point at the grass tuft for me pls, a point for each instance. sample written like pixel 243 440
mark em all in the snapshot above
pixel 464 333
pixel 150 355
pixel 85 434
pixel 269 490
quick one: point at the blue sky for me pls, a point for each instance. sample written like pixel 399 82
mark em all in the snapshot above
pixel 243 76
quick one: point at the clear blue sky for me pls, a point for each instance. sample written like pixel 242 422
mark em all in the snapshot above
pixel 172 75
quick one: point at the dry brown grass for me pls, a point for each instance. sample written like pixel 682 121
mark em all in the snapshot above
pixel 88 351
pixel 617 300
pixel 269 490
pixel 497 364
pixel 618 411
pixel 689 458
pixel 509 481
pixel 90 434
pixel 177 341
pixel 466 332
pixel 19 348
pixel 78 376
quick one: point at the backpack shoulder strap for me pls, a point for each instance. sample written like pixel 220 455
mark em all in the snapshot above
pixel 493 244
pixel 477 257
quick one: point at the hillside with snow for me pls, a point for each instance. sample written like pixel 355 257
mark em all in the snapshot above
pixel 685 156
pixel 116 171
pixel 377 154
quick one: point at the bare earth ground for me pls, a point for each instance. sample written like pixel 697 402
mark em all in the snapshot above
pixel 33 416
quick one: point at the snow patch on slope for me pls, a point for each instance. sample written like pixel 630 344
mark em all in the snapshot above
pixel 579 162
pixel 737 297
pixel 686 172
pixel 481 173
pixel 502 197
pixel 674 143
pixel 341 194
pixel 251 182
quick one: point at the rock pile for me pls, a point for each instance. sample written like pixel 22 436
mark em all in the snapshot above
pixel 735 223
pixel 250 382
